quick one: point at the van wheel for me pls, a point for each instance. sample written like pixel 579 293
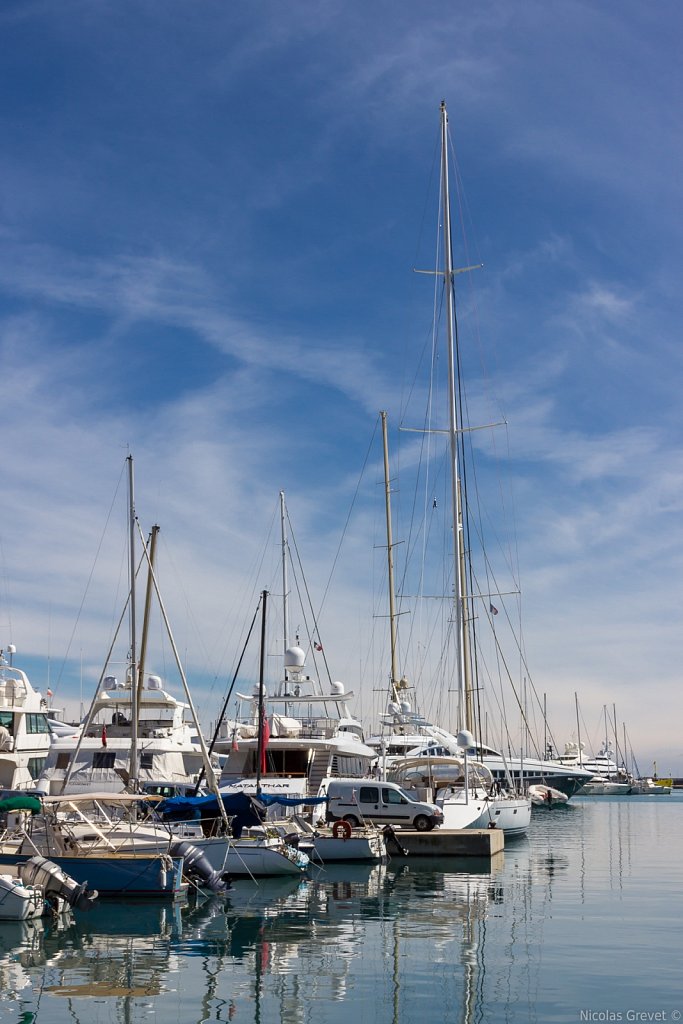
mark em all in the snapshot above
pixel 353 822
pixel 422 823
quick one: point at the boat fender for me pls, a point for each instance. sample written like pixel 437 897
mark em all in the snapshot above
pixel 197 867
pixel 56 883
pixel 341 830
pixel 166 866
pixel 391 841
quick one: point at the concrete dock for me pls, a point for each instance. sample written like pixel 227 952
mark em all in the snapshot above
pixel 442 842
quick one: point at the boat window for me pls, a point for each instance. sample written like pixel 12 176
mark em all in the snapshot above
pixel 103 759
pixel 35 766
pixel 37 724
pixel 146 759
pixel 63 761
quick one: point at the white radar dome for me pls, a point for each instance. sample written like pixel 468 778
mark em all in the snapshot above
pixel 153 682
pixel 337 689
pixel 465 739
pixel 294 658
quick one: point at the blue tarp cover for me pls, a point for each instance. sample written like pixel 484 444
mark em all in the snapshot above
pixel 193 807
pixel 184 807
pixel 291 801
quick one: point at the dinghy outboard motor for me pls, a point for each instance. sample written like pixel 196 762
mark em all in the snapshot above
pixel 197 867
pixel 55 882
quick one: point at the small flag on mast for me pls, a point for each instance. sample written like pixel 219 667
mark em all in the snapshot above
pixel 493 609
pixel 104 735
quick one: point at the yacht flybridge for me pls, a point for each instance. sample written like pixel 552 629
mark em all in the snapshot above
pixel 98 757
pixel 24 729
pixel 311 736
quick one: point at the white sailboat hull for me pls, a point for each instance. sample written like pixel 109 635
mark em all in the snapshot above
pixel 510 814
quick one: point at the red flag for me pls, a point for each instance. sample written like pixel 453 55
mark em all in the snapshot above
pixel 104 735
pixel 234 739
pixel 265 736
pixel 318 647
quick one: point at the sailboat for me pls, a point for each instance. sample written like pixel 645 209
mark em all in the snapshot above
pixel 508 810
pixel 607 778
pixel 137 734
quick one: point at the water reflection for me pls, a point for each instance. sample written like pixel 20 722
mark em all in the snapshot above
pixel 293 943
pixel 457 942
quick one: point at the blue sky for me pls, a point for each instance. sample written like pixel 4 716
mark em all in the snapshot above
pixel 209 218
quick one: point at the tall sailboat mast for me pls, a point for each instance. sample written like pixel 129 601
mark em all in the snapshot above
pixel 285 584
pixel 390 561
pixel 456 504
pixel 133 770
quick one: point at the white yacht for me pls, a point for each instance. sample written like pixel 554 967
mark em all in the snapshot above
pixel 97 756
pixel 24 730
pixel 607 777
pixel 408 734
pixel 309 736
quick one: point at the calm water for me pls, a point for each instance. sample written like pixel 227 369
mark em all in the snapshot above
pixel 581 921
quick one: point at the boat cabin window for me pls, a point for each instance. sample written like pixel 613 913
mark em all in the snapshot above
pixel 7 720
pixel 280 762
pixel 146 760
pixel 35 766
pixel 63 761
pixel 103 759
pixel 37 724
pixel 434 750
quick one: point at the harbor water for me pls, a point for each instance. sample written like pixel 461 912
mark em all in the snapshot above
pixel 580 921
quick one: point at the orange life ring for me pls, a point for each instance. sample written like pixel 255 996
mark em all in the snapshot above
pixel 341 830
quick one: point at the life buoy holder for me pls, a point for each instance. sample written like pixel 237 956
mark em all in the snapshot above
pixel 341 830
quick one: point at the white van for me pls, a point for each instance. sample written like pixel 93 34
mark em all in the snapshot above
pixel 383 803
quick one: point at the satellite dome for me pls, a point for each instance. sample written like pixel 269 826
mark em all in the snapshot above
pixel 294 658
pixel 405 707
pixel 110 683
pixel 337 688
pixel 465 739
pixel 153 682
